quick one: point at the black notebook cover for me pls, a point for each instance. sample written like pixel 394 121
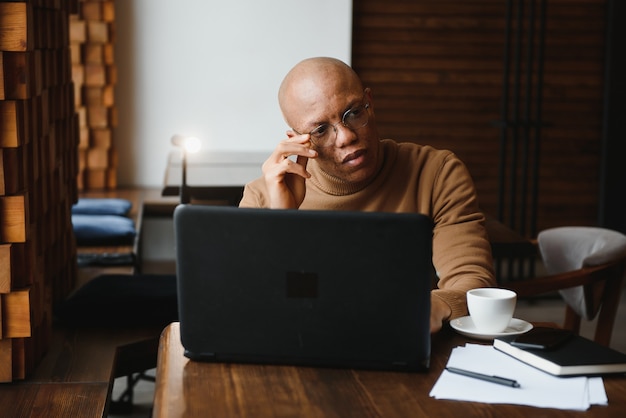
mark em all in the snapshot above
pixel 577 356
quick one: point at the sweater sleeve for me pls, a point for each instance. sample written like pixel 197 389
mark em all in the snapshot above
pixel 461 248
pixel 253 195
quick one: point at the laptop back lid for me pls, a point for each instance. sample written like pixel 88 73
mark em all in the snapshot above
pixel 317 288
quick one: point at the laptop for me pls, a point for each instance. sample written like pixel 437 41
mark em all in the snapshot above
pixel 311 288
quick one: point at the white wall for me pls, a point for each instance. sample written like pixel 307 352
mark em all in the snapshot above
pixel 211 68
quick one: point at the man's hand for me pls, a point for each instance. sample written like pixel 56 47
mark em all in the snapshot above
pixel 439 312
pixel 284 177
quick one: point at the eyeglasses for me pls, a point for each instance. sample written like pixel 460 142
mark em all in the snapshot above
pixel 353 119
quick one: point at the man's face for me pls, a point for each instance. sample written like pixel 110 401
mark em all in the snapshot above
pixel 347 152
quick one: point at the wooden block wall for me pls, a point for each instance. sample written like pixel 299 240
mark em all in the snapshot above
pixel 38 168
pixel 92 36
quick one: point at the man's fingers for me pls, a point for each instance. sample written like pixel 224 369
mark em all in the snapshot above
pixel 302 161
pixel 297 167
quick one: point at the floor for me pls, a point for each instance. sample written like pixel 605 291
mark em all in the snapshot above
pixel 142 397
pixel 545 309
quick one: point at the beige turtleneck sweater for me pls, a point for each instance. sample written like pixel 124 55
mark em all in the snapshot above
pixel 414 178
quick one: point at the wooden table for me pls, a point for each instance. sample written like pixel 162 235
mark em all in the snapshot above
pixel 192 389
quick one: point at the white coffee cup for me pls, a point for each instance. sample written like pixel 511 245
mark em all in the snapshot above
pixel 491 308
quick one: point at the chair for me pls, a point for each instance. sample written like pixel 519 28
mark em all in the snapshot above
pixel 586 266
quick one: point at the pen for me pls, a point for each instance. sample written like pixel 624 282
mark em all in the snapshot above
pixel 493 379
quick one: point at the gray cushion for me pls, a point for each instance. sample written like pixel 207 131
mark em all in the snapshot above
pixel 572 247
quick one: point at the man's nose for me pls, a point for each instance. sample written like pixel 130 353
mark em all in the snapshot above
pixel 345 135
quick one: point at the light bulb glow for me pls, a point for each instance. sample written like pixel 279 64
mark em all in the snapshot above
pixel 190 144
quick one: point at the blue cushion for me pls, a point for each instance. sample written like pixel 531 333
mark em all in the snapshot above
pixel 103 230
pixel 122 300
pixel 102 206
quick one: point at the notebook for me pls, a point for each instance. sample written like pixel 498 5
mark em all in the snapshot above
pixel 312 288
pixel 575 356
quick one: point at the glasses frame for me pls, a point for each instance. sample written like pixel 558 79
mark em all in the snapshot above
pixel 365 107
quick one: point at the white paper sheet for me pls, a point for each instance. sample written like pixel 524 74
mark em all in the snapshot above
pixel 538 388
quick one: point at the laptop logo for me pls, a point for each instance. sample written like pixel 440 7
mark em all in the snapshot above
pixel 301 284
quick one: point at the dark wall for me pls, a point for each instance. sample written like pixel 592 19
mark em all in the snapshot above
pixel 613 170
pixel 437 74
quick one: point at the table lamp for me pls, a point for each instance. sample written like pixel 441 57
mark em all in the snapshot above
pixel 187 144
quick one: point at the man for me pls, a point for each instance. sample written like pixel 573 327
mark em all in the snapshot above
pixel 341 164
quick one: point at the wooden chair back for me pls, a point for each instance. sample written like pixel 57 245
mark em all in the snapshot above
pixel 602 285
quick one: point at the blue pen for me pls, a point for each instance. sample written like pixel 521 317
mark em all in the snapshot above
pixel 493 379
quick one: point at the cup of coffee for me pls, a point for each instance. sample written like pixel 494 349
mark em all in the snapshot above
pixel 491 308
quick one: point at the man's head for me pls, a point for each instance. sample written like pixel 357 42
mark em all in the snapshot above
pixel 326 97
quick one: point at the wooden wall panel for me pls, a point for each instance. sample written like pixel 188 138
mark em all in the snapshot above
pixel 38 169
pixel 436 71
pixel 92 33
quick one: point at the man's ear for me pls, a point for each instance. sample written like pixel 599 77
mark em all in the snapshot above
pixel 369 98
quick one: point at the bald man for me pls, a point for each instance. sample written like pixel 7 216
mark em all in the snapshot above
pixel 341 163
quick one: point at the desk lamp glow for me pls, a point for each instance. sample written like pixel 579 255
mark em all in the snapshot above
pixel 187 145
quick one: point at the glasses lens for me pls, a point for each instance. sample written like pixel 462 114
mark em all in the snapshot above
pixel 325 135
pixel 356 118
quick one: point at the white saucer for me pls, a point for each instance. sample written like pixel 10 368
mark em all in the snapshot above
pixel 465 326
